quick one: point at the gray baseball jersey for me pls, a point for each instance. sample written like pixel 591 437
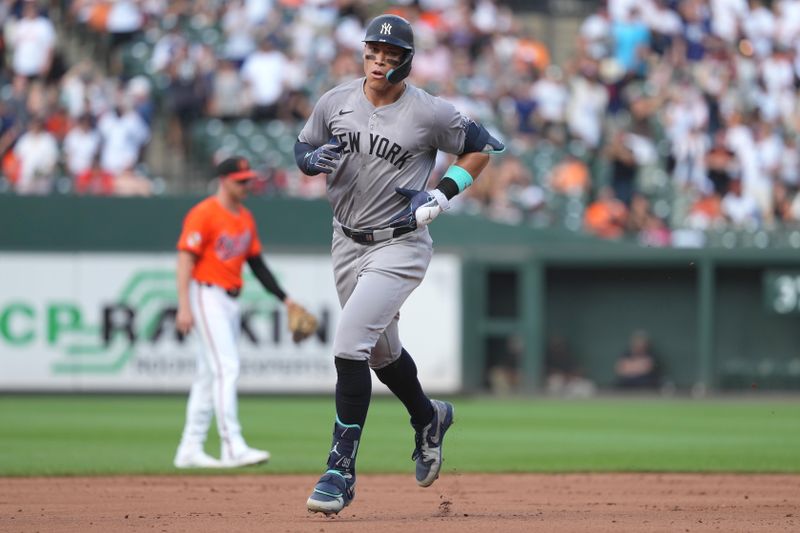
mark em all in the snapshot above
pixel 385 147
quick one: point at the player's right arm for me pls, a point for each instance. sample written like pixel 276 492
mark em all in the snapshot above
pixel 184 321
pixel 191 244
pixel 452 133
pixel 316 151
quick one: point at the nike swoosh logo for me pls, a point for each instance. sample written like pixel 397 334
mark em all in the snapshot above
pixel 435 436
pixel 343 112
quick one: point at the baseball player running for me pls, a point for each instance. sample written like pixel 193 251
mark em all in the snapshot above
pixel 219 235
pixel 376 138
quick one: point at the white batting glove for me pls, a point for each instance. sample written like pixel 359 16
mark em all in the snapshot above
pixel 426 205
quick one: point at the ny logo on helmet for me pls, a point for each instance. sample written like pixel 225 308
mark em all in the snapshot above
pixel 386 28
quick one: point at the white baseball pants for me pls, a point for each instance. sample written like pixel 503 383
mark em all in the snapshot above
pixel 217 322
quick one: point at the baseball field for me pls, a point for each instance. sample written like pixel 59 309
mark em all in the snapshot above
pixel 103 463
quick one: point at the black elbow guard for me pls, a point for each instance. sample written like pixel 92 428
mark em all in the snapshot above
pixel 478 139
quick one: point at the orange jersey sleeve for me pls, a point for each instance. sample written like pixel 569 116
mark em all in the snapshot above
pixel 192 238
pixel 221 240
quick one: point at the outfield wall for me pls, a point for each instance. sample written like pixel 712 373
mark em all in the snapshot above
pixel 105 322
pixel 720 318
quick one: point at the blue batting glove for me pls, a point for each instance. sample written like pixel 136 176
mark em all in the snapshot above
pixel 324 159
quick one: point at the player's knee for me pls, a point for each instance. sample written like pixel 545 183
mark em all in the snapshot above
pixel 380 359
pixel 401 370
pixel 225 370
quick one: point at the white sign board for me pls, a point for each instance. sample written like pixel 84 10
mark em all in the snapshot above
pixel 105 322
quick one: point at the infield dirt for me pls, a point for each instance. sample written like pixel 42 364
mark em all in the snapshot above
pixel 455 503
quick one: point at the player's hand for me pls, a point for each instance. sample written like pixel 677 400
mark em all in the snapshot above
pixel 326 158
pixel 425 205
pixel 184 321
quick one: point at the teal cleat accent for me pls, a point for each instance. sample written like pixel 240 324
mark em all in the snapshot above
pixel 334 491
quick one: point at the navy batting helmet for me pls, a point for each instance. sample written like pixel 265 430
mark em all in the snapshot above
pixel 397 31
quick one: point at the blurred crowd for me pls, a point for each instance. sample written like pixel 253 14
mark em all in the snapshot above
pixel 66 127
pixel 670 115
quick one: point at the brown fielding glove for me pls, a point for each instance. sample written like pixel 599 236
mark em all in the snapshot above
pixel 302 324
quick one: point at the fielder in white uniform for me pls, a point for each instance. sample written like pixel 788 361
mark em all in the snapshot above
pixel 219 235
pixel 377 138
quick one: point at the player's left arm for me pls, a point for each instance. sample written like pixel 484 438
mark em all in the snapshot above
pixel 264 275
pixel 478 143
pixel 302 324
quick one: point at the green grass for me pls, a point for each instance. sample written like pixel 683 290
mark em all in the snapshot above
pixel 88 435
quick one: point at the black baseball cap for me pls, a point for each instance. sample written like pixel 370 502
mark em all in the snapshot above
pixel 235 168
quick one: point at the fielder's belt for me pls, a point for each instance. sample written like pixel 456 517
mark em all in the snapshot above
pixel 233 293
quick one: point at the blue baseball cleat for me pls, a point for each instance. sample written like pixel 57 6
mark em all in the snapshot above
pixel 429 442
pixel 334 491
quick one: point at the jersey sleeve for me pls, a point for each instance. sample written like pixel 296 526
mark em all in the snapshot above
pixel 449 127
pixel 317 131
pixel 194 236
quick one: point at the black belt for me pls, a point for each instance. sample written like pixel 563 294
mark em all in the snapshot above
pixel 369 236
pixel 233 293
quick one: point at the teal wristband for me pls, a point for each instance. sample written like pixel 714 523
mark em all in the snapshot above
pixel 462 178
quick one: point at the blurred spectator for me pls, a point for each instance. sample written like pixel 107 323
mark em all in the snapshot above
pixel 124 20
pixel 570 177
pixel 606 216
pixel 789 170
pixel 94 180
pixel 81 146
pixel 739 210
pixel 239 42
pixel 692 90
pixel 631 38
pixel 138 91
pixel 530 54
pixel 503 364
pixel 37 154
pixel 12 123
pixel 759 27
pixel 512 196
pixel 706 212
pixel 186 95
pixel 228 99
pixel 686 119
pixel 623 166
pixel 124 134
pixel 642 223
pixel 263 73
pixel 595 34
pixel 667 25
pixel 33 40
pixel 550 97
pixel 727 17
pixel 782 202
pixel 563 375
pixel 586 106
pixel 639 214
pixel 638 366
pixel 76 88
pixel 655 233
pixel 720 164
pixel 131 182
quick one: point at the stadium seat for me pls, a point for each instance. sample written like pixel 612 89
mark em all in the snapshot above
pixel 244 127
